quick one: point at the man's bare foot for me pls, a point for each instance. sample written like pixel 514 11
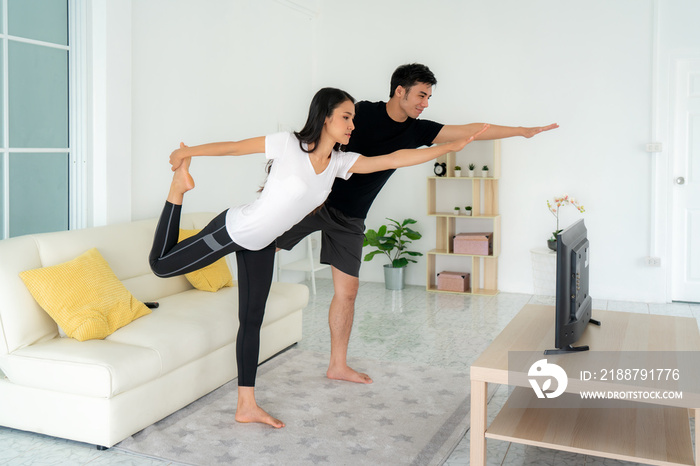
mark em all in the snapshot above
pixel 348 374
pixel 257 414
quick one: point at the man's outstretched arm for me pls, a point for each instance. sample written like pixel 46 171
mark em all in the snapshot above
pixel 453 132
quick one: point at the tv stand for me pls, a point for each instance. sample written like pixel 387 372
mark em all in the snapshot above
pixel 567 349
pixel 572 349
pixel 653 432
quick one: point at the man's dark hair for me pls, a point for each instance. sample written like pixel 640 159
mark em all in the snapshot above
pixel 407 76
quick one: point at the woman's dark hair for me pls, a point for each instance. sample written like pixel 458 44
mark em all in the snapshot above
pixel 407 76
pixel 322 105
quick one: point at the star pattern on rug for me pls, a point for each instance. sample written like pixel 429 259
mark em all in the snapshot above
pixel 226 458
pixel 402 438
pixel 359 450
pixel 390 421
pixel 310 423
pixel 316 459
pixel 351 432
pixel 271 449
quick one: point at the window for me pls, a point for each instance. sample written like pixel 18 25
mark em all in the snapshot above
pixel 39 173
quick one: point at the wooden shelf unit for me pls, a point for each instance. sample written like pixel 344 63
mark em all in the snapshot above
pixel 482 194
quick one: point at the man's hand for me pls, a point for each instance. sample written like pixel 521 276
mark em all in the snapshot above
pixel 529 132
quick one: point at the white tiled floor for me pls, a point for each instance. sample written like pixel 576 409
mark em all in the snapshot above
pixel 411 326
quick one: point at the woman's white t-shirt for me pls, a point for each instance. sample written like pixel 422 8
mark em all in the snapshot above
pixel 293 189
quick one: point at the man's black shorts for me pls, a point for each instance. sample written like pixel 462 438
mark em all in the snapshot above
pixel 341 238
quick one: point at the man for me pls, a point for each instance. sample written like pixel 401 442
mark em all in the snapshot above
pixel 380 128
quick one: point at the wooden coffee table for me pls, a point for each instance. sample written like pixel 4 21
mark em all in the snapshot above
pixel 656 433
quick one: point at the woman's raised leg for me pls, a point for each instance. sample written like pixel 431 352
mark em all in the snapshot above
pixel 169 258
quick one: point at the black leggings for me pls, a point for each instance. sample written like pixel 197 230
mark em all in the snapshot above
pixel 169 258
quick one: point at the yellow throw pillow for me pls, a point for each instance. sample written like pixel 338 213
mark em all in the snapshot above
pixel 213 277
pixel 84 296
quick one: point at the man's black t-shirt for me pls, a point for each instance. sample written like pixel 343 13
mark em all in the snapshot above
pixel 376 134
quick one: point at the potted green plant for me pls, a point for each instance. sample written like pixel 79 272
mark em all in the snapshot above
pixel 458 171
pixel 393 240
pixel 485 171
pixel 468 210
pixel 457 211
pixel 471 170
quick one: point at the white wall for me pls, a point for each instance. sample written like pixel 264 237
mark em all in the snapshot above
pixel 109 120
pixel 207 71
pixel 586 65
pixel 217 69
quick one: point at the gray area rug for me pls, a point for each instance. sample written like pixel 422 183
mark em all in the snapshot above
pixel 409 415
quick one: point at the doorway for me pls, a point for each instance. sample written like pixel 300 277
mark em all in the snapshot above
pixel 685 184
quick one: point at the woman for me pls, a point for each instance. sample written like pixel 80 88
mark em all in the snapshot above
pixel 305 165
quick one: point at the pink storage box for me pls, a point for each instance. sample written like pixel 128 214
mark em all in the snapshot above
pixel 453 281
pixel 480 244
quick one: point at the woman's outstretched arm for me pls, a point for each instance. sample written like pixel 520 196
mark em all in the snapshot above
pixel 243 147
pixel 408 157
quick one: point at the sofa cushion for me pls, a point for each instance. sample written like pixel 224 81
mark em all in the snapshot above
pixel 284 297
pixel 97 368
pixel 211 278
pixel 22 321
pixel 184 328
pixel 124 246
pixel 189 325
pixel 84 296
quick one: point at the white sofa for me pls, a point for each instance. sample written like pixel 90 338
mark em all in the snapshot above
pixel 102 391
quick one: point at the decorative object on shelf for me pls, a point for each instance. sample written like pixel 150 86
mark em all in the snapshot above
pixel 468 210
pixel 479 193
pixel 453 281
pixel 458 171
pixel 440 169
pixel 560 202
pixel 478 244
pixel 485 171
pixel 393 240
pixel 458 211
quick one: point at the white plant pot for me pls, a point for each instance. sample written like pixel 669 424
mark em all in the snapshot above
pixel 394 278
pixel 467 213
pixel 471 173
pixel 485 173
pixel 458 173
pixel 457 212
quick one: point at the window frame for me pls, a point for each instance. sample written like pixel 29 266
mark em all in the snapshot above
pixel 77 114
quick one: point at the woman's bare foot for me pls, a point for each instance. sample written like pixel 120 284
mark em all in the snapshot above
pixel 348 374
pixel 249 411
pixel 182 182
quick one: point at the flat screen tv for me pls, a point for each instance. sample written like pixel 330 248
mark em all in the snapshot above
pixel 573 301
